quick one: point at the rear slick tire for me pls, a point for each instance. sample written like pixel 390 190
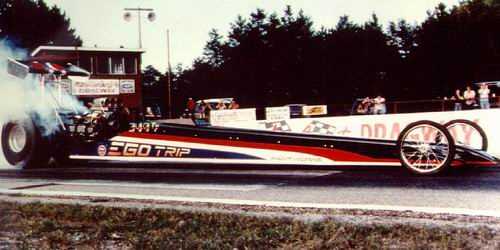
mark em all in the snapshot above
pixel 23 145
pixel 426 148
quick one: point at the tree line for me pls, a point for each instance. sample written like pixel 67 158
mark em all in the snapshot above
pixel 268 59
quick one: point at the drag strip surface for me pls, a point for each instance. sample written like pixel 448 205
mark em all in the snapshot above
pixel 475 192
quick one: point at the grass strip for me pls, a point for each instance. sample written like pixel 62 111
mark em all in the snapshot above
pixel 55 226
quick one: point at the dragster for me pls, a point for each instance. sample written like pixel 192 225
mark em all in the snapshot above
pixel 107 136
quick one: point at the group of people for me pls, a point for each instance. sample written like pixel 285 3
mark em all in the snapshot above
pixel 203 108
pixel 469 99
pixel 374 106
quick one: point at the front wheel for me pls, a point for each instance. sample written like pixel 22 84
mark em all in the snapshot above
pixel 23 146
pixel 426 148
pixel 468 133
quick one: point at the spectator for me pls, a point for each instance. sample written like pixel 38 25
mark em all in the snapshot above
pixel 234 105
pixel 200 109
pixel 123 116
pixel 379 105
pixel 157 111
pixel 149 113
pixel 220 105
pixel 458 98
pixel 484 96
pixel 190 105
pixel 470 98
pixel 206 110
pixel 364 106
pixel 114 104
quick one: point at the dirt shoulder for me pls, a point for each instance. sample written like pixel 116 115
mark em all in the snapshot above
pixel 43 223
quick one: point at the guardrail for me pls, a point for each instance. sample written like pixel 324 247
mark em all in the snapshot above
pixel 413 106
pixel 394 107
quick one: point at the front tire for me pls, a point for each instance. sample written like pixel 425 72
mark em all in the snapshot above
pixel 480 143
pixel 426 148
pixel 23 145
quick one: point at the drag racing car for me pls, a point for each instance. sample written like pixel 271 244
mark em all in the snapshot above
pixel 107 136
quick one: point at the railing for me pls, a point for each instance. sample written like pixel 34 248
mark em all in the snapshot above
pixel 408 106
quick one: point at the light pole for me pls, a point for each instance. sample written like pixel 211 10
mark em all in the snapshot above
pixel 169 77
pixel 127 16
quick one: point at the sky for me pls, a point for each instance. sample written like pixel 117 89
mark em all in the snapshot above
pixel 101 22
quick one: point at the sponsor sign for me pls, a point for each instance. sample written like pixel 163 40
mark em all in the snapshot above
pixel 389 126
pixel 221 117
pixel 127 86
pixel 65 85
pixel 95 87
pixel 129 149
pixel 277 113
pixel 314 110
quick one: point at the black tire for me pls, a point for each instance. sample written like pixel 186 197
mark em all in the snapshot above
pixel 32 152
pixel 442 165
pixel 484 146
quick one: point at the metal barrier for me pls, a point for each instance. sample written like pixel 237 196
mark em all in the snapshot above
pixel 414 106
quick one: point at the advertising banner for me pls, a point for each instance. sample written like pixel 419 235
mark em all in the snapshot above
pixel 221 117
pixel 386 126
pixel 127 86
pixel 277 113
pixel 65 85
pixel 95 87
pixel 312 110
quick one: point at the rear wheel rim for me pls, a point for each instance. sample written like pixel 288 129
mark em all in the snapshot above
pixel 425 148
pixel 17 138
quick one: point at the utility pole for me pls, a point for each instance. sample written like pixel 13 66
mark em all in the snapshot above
pixel 151 17
pixel 169 77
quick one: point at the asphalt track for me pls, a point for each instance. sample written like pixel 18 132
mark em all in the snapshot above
pixel 466 191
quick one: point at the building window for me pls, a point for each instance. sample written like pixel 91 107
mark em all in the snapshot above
pixel 103 65
pixel 130 65
pixel 86 63
pixel 117 65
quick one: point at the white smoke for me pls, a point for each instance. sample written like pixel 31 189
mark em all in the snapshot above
pixel 22 97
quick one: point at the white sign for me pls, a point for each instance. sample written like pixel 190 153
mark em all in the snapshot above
pixel 95 87
pixel 221 117
pixel 65 85
pixel 127 86
pixel 277 113
pixel 386 126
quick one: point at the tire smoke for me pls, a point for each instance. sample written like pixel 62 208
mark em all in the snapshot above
pixel 22 98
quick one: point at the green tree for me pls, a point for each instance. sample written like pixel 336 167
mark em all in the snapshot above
pixel 457 46
pixel 31 23
pixel 270 59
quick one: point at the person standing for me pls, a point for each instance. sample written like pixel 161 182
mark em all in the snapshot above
pixel 364 106
pixel 207 109
pixel 220 105
pixel 234 105
pixel 469 97
pixel 484 96
pixel 458 100
pixel 379 107
pixel 190 106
